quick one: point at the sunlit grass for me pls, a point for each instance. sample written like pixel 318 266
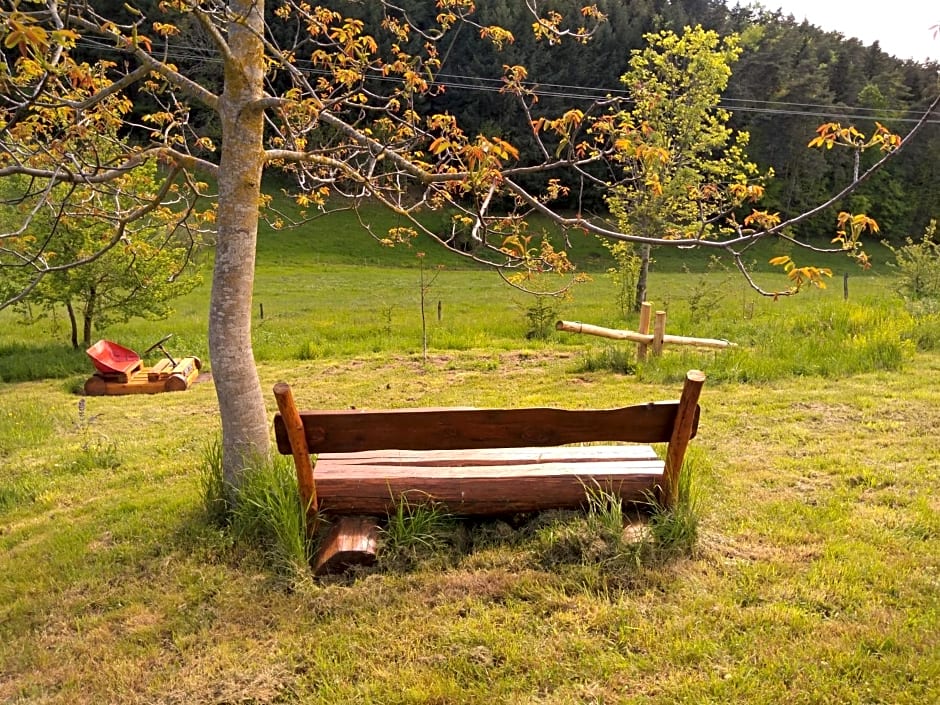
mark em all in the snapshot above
pixel 813 576
pixel 816 554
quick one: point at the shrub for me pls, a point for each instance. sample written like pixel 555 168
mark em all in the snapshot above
pixel 541 315
pixel 624 273
pixel 708 289
pixel 918 265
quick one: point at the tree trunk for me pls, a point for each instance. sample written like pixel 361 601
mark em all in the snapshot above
pixel 73 323
pixel 88 316
pixel 642 277
pixel 242 410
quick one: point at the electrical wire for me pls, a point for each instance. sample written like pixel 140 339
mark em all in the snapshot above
pixel 481 84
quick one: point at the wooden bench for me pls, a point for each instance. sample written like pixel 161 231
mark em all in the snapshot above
pixel 476 461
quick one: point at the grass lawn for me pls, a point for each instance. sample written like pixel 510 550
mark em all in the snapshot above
pixel 815 579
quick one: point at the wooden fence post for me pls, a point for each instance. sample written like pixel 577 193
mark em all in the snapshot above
pixel 659 331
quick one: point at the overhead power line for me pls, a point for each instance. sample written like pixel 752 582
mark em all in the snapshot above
pixel 482 84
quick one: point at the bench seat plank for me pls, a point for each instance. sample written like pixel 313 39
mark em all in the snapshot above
pixel 484 482
pixel 496 456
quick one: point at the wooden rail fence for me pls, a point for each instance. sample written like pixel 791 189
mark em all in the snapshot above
pixel 645 341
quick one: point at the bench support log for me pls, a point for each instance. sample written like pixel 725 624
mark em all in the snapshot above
pixel 351 541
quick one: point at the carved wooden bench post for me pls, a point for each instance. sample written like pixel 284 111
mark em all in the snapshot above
pixel 294 426
pixel 682 431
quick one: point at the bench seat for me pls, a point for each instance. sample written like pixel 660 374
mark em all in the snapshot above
pixel 484 481
pixel 475 462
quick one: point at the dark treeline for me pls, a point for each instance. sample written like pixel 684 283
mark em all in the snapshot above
pixel 791 78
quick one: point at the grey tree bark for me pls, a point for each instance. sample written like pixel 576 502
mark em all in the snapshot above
pixel 642 277
pixel 238 388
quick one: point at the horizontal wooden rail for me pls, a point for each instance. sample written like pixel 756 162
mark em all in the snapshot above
pixel 345 431
pixel 643 339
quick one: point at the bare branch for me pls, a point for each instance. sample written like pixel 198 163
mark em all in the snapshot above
pixel 745 272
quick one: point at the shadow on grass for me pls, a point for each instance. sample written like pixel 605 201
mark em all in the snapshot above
pixel 23 362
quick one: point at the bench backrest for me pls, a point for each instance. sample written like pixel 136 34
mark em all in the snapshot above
pixel 354 430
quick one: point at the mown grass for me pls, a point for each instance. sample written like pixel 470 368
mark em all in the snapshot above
pixel 327 289
pixel 813 575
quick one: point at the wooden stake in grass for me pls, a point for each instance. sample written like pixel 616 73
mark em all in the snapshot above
pixel 659 333
pixel 643 329
pixel 425 285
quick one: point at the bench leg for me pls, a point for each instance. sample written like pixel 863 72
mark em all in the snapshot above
pixel 351 541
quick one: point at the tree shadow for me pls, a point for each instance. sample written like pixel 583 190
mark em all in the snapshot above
pixel 25 362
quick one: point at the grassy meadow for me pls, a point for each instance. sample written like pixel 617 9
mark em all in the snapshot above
pixel 814 579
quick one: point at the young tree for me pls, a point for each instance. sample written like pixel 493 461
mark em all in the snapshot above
pixel 304 89
pixel 684 169
pixel 152 264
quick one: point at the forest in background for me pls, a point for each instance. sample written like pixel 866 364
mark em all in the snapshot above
pixel 792 76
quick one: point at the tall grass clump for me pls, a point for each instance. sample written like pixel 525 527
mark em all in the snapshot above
pixel 22 362
pixel 605 513
pixel 16 492
pixel 415 530
pixel 829 339
pixel 674 531
pixel 25 423
pixel 212 483
pixel 607 544
pixel 925 332
pixel 265 513
pixel 619 359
